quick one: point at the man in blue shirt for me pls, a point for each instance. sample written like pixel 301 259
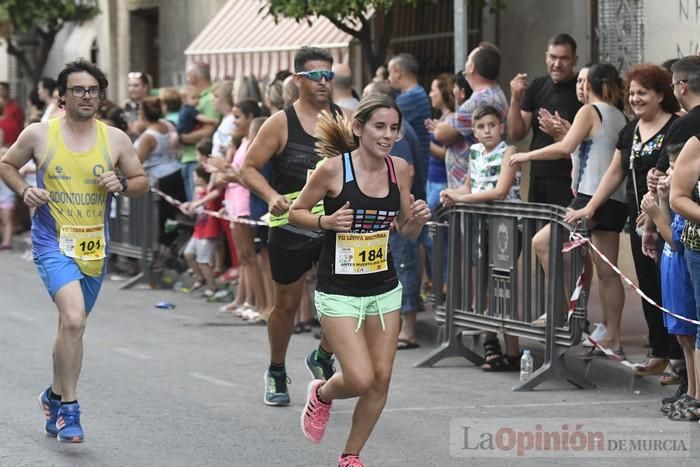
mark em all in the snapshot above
pixel 414 104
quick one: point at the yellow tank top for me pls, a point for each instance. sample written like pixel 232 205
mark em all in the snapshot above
pixel 75 220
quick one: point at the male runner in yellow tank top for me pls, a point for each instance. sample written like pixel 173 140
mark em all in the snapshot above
pixel 76 158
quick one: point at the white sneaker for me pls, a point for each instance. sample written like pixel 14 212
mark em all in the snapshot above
pixel 252 317
pixel 249 313
pixel 243 311
pixel 597 335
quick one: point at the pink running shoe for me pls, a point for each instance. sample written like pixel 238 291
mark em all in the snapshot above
pixel 351 460
pixel 314 417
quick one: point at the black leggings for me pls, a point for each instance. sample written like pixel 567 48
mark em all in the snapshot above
pixel 663 345
pixel 174 186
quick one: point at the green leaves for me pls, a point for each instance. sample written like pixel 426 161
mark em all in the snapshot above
pixel 25 16
pixel 336 9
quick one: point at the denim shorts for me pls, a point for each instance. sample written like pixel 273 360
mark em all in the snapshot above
pixel 58 270
pixel 337 306
pixel 407 262
pixel 692 259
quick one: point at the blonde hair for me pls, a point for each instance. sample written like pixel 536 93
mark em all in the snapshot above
pixel 225 89
pixel 334 134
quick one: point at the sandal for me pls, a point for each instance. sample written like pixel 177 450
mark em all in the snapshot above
pixel 492 351
pixel 614 354
pixel 405 344
pixel 196 285
pixel 504 363
pixel 672 376
pixel 652 366
pixel 687 412
pixel 671 406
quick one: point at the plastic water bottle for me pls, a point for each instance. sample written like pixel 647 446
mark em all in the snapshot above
pixel 525 365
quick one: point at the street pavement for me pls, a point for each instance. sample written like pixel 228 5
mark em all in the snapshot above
pixel 183 387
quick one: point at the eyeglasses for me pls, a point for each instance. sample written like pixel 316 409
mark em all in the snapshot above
pixel 135 75
pixel 676 83
pixel 79 91
pixel 317 75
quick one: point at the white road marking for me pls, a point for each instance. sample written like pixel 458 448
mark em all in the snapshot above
pixel 22 316
pixel 504 406
pixel 210 379
pixel 132 353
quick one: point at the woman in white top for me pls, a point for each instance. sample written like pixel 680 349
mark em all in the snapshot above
pixel 591 142
pixel 159 159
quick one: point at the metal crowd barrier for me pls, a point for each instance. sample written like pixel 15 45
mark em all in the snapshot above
pixel 133 227
pixel 511 290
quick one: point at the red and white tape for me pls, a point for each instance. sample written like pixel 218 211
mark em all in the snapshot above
pixel 178 203
pixel 579 240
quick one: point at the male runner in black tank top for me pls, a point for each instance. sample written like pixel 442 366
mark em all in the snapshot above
pixel 286 140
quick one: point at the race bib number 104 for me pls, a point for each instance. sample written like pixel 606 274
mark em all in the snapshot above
pixel 361 253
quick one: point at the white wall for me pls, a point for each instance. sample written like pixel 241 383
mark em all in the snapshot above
pixel 527 25
pixel 671 29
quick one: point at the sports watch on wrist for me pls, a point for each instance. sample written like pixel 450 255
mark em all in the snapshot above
pixel 125 184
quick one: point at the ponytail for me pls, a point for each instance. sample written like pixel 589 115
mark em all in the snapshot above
pixel 334 135
pixel 605 82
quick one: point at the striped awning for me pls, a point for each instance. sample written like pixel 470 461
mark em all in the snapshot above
pixel 240 41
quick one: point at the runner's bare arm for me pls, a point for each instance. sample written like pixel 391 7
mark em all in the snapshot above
pixel 266 145
pixel 414 213
pixel 21 152
pixel 128 164
pixel 326 179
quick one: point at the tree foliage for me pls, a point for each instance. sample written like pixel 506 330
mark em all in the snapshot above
pixel 38 22
pixel 351 16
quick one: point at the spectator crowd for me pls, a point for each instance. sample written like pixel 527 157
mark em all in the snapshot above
pixel 620 151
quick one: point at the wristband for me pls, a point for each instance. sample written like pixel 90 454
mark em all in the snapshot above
pixel 25 191
pixel 319 222
pixel 125 184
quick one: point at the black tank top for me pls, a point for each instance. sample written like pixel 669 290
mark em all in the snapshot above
pixel 290 167
pixel 371 215
pixel 290 170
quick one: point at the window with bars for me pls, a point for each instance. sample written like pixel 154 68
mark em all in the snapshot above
pixel 620 32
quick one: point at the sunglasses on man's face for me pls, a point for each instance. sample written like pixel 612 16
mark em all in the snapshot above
pixel 317 75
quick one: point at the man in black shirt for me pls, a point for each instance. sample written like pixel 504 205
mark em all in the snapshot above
pixel 550 181
pixel 686 87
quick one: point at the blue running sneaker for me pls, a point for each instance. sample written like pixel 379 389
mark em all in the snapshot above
pixel 68 423
pixel 320 369
pixel 276 392
pixel 50 408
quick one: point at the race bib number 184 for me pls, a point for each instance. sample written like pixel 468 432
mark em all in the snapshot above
pixel 361 253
